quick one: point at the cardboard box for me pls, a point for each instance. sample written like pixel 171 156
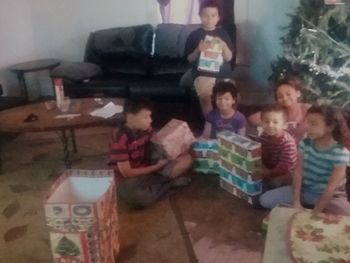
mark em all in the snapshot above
pixel 176 138
pixel 205 165
pixel 206 149
pixel 243 146
pixel 236 170
pixel 211 59
pixel 236 160
pixel 81 213
pixel 248 187
pixel 253 200
pixel 206 156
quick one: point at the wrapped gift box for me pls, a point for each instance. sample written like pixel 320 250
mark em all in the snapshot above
pixel 206 156
pixel 248 187
pixel 236 170
pixel 175 137
pixel 206 149
pixel 240 145
pixel 236 160
pixel 81 213
pixel 205 165
pixel 211 59
pixel 251 199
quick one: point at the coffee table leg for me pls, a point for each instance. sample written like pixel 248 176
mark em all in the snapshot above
pixel 64 139
pixel 22 82
pixel 0 160
pixel 74 144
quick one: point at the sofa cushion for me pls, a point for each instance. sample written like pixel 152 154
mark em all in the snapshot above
pixel 109 87
pixel 166 40
pixel 111 48
pixel 168 49
pixel 131 41
pixel 166 65
pixel 166 87
pixel 185 32
pixel 170 39
pixel 76 71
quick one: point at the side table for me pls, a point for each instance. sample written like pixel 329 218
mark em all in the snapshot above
pixel 32 66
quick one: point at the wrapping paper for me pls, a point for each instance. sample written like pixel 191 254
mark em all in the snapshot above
pixel 176 138
pixel 81 213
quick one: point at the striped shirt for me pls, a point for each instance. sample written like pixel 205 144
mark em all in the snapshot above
pixel 279 153
pixel 319 164
pixel 127 145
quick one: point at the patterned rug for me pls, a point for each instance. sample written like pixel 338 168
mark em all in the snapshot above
pixel 31 163
pixel 200 223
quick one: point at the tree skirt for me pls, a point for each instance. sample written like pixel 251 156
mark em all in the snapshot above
pixel 299 236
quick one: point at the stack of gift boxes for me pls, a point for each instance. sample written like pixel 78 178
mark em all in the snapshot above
pixel 206 156
pixel 235 158
pixel 240 157
pixel 81 214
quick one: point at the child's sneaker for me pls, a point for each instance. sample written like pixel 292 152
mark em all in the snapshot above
pixel 180 182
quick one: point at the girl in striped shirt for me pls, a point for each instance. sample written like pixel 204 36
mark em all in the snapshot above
pixel 320 172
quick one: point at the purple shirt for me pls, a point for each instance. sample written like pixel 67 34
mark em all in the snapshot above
pixel 218 123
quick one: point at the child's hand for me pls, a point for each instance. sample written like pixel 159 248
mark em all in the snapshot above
pixel 162 162
pixel 222 43
pixel 262 173
pixel 202 46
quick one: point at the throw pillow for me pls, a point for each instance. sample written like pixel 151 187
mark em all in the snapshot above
pixel 76 71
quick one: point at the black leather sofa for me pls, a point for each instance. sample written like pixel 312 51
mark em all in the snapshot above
pixel 135 61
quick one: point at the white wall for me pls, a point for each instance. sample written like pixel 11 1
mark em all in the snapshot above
pixel 36 29
pixel 16 39
pixel 61 27
pixel 259 30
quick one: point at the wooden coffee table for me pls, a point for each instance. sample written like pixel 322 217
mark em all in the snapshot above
pixel 12 120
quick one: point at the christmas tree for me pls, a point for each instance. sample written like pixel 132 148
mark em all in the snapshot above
pixel 67 247
pixel 317 46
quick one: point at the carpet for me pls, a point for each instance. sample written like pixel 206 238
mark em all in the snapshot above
pixel 31 163
pixel 200 223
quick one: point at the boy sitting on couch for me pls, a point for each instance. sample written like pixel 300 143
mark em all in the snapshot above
pixel 141 183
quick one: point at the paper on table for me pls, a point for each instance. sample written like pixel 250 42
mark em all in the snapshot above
pixel 107 111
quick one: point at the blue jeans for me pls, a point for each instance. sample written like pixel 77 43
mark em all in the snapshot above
pixel 284 195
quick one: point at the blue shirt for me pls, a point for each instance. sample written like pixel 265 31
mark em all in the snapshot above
pixel 218 123
pixel 319 164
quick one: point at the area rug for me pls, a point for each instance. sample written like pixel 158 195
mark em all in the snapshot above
pixel 31 163
pixel 221 228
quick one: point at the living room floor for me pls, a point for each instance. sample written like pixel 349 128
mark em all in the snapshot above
pixel 198 223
